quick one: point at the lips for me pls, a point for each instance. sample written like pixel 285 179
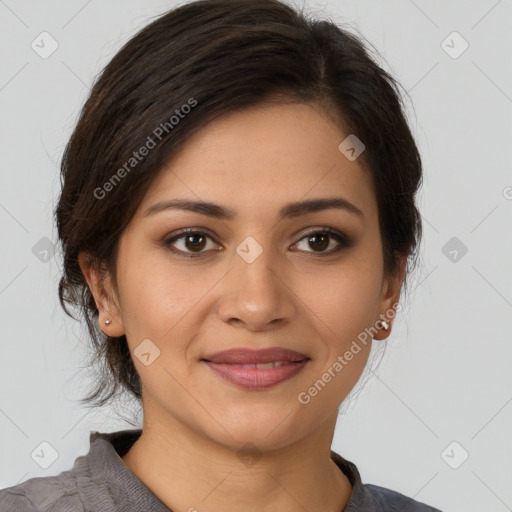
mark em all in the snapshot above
pixel 256 369
pixel 243 356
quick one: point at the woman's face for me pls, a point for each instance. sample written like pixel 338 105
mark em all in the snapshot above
pixel 253 280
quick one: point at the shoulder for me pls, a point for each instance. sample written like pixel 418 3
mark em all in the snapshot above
pixel 391 501
pixel 42 494
pixel 12 501
pixel 369 497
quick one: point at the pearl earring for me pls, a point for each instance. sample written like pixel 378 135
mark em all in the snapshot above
pixel 108 322
pixel 384 324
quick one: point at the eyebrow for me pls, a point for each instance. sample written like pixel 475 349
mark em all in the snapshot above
pixel 221 212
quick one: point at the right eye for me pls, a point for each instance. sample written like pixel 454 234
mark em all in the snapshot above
pixel 193 242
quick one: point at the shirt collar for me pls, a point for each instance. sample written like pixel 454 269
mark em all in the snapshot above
pixel 130 494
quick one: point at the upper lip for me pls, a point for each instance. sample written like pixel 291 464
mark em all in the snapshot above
pixel 251 356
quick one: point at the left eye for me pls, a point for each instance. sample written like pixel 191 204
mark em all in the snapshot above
pixel 321 240
pixel 193 242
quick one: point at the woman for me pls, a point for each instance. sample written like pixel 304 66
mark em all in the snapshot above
pixel 237 216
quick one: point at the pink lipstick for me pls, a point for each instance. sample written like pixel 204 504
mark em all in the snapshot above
pixel 256 369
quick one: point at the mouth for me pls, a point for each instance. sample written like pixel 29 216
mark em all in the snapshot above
pixel 256 369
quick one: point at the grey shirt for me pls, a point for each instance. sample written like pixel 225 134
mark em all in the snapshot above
pixel 100 482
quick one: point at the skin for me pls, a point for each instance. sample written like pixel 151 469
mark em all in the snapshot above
pixel 254 161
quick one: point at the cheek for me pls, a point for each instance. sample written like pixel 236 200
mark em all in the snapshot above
pixel 146 293
pixel 342 300
pixel 162 301
pixel 343 307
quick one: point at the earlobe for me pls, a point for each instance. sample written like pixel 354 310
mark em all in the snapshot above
pixel 384 329
pixel 99 282
pixel 390 296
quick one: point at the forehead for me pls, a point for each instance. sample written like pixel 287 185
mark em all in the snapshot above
pixel 263 157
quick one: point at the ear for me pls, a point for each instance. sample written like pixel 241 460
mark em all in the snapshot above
pixel 100 284
pixel 391 287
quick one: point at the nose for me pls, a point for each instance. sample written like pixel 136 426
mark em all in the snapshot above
pixel 256 295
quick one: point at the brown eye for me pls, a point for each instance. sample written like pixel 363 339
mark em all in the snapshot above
pixel 194 242
pixel 320 240
pixel 190 242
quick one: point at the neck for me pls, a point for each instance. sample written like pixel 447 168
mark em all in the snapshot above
pixel 188 471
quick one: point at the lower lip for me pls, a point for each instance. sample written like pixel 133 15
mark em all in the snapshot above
pixel 255 378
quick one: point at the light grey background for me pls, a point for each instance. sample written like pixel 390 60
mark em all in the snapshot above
pixel 447 373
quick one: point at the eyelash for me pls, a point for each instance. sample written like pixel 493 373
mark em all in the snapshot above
pixel 339 237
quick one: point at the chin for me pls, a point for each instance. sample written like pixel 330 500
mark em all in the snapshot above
pixel 263 429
